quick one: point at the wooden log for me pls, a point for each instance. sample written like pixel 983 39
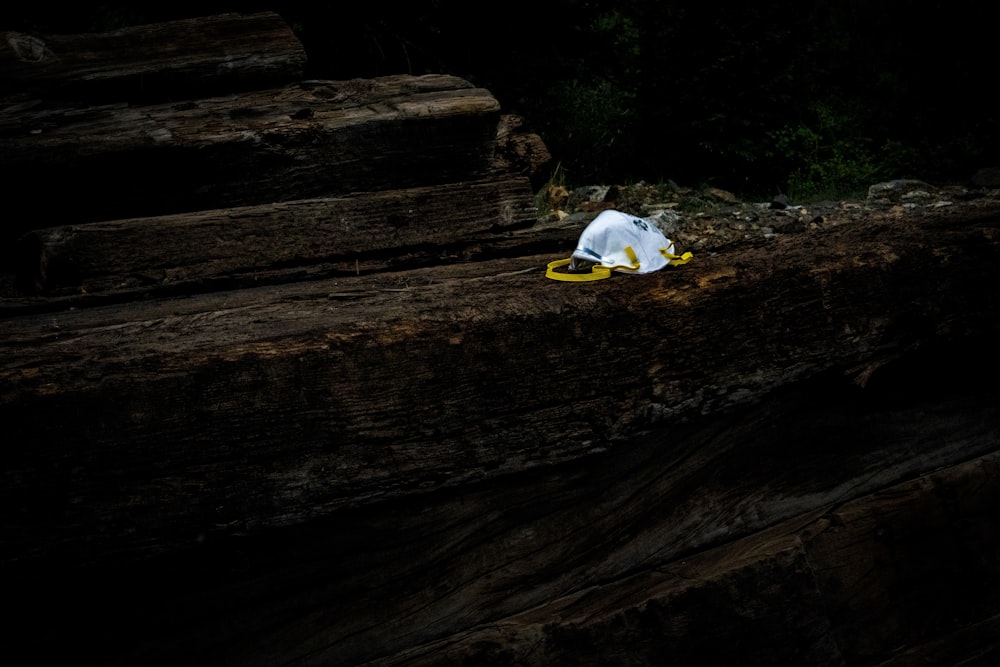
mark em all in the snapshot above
pixel 343 470
pixel 439 377
pixel 571 550
pixel 265 242
pixel 520 151
pixel 313 139
pixel 905 566
pixel 468 461
pixel 157 62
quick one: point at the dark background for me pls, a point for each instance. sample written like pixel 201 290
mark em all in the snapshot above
pixel 806 98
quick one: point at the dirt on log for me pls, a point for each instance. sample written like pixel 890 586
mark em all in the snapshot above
pixel 363 427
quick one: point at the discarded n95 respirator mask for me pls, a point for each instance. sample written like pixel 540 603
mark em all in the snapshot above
pixel 616 241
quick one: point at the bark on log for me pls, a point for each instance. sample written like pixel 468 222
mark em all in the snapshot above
pixel 157 62
pixel 313 139
pixel 373 231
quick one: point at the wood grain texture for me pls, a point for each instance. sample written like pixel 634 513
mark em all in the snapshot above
pixel 308 139
pixel 598 556
pixel 382 230
pixel 903 566
pixel 432 380
pixel 395 442
pixel 154 62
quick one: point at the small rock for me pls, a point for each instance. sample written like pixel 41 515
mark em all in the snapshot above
pixel 666 219
pixel 988 177
pixel 788 225
pixel 722 195
pixel 591 193
pixel 894 190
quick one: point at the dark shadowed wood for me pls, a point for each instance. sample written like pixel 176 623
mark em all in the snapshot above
pixel 352 470
pixel 380 228
pixel 304 140
pixel 157 62
pixel 520 151
pixel 487 344
pixel 784 452
pixel 903 566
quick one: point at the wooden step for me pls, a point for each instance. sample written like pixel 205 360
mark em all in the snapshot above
pixel 178 60
pixel 309 139
pixel 275 242
pixel 337 392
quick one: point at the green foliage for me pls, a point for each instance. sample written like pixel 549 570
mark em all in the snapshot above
pixel 753 97
pixel 586 108
pixel 593 121
pixel 827 154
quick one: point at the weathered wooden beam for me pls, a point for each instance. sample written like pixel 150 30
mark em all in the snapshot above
pixel 305 140
pixel 261 242
pixel 905 566
pixel 571 550
pixel 400 458
pixel 464 460
pixel 520 151
pixel 433 378
pixel 156 62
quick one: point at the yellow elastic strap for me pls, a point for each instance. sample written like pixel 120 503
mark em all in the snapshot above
pixel 676 260
pixel 634 266
pixel 597 272
pixel 632 258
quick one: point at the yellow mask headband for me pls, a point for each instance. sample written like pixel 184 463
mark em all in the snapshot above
pixel 599 272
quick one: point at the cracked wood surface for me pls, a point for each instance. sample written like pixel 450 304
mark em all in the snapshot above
pixel 444 376
pixel 835 586
pixel 788 444
pixel 369 231
pixel 153 62
pixel 307 139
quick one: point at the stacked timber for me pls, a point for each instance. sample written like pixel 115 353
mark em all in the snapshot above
pixel 173 184
pixel 282 381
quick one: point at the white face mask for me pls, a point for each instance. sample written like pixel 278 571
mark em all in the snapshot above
pixel 616 241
